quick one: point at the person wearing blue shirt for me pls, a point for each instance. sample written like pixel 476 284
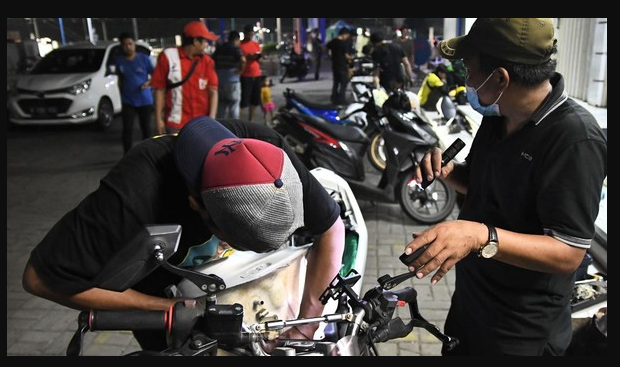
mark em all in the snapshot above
pixel 134 70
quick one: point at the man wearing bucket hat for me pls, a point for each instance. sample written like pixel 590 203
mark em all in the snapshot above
pixel 235 179
pixel 185 80
pixel 532 180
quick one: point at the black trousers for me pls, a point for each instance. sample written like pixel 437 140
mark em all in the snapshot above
pixel 339 88
pixel 129 114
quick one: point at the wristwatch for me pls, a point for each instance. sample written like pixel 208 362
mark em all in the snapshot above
pixel 490 248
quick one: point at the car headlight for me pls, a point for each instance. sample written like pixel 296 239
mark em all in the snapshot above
pixel 79 88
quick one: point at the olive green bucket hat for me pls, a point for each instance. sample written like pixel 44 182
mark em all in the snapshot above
pixel 520 40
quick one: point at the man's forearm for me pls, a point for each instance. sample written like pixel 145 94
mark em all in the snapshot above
pixel 94 298
pixel 160 97
pixel 324 262
pixel 213 101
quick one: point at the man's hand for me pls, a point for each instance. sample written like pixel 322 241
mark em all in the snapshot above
pixel 449 243
pixel 430 166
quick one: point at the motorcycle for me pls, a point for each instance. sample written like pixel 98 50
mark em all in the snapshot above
pixel 351 115
pixel 294 65
pixel 342 149
pixel 448 123
pixel 216 318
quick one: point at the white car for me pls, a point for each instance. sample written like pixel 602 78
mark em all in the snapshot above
pixel 73 84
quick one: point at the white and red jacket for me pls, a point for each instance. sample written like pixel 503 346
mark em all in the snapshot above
pixel 191 99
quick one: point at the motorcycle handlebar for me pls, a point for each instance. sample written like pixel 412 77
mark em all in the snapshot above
pixel 408 294
pixel 394 329
pixel 128 320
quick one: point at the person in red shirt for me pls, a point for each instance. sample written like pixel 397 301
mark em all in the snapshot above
pixel 251 74
pixel 179 97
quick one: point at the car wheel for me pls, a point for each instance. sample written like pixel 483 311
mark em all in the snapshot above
pixel 105 114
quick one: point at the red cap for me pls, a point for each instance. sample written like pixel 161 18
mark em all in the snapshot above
pixel 199 29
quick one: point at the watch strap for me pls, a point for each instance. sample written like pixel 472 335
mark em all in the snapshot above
pixel 492 238
pixel 492 233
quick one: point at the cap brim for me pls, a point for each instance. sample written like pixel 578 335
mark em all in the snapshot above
pixel 453 48
pixel 193 143
pixel 211 36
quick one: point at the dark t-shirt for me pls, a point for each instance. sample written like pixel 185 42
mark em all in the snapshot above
pixel 145 188
pixel 388 58
pixel 339 49
pixel 544 179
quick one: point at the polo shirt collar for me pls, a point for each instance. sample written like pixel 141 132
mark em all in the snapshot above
pixel 182 53
pixel 556 98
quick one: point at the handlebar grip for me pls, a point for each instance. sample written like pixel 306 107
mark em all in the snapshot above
pixel 127 320
pixel 394 329
pixel 407 294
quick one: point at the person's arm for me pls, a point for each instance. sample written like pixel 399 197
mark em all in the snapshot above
pixel 160 99
pixel 324 262
pixel 451 241
pixel 94 298
pixel 242 63
pixel 159 79
pixel 408 70
pixel 213 101
pixel 376 77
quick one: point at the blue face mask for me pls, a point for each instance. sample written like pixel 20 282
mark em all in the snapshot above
pixel 472 97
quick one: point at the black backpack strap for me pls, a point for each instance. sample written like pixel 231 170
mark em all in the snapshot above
pixel 187 76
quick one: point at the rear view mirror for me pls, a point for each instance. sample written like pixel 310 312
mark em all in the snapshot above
pixel 137 260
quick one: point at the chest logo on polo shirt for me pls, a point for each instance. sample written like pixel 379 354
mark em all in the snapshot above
pixel 526 156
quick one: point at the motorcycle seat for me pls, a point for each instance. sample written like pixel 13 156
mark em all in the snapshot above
pixel 317 106
pixel 340 132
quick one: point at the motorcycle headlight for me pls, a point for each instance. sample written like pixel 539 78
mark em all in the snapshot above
pixel 79 88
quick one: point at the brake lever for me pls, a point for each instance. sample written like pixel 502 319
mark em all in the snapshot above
pixel 387 282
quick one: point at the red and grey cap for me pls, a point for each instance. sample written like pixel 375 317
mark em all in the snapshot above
pixel 249 187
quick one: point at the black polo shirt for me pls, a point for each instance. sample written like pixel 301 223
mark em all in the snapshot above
pixel 543 179
pixel 145 188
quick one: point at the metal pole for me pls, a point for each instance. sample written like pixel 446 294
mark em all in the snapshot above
pixel 91 30
pixel 62 31
pixel 36 28
pixel 104 29
pixel 134 21
pixel 279 30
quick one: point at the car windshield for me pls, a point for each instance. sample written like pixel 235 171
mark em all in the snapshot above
pixel 70 61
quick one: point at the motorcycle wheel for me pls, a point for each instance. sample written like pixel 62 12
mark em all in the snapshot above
pixel 376 153
pixel 283 76
pixel 428 206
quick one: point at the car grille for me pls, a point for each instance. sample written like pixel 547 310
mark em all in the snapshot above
pixel 37 92
pixel 45 108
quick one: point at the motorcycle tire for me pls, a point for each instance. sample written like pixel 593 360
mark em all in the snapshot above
pixel 376 153
pixel 282 77
pixel 430 206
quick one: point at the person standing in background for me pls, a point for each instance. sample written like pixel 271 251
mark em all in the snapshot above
pixel 406 43
pixel 361 41
pixel 134 71
pixel 251 74
pixel 339 50
pixel 317 52
pixel 392 69
pixel 267 102
pixel 185 81
pixel 229 62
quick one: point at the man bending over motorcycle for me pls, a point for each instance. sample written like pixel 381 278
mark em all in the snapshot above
pixel 234 179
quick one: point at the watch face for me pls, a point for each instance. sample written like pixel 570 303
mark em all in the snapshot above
pixel 490 250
